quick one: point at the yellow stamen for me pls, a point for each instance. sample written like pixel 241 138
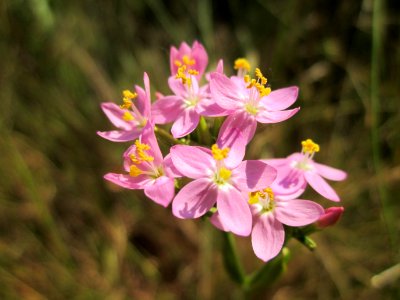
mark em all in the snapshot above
pixel 219 154
pixel 309 146
pixel 181 74
pixel 134 171
pixel 128 116
pixel 140 150
pixel 128 94
pixel 259 84
pixel 265 197
pixel 242 63
pixel 193 72
pixel 187 61
pixel 224 173
pixel 178 63
pixel 127 97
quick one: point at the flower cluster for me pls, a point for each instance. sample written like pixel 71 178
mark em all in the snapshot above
pixel 214 117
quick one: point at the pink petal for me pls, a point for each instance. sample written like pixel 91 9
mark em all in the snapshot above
pixel 289 183
pixel 321 186
pixel 167 109
pixel 114 113
pixel 120 136
pixel 173 56
pixel 280 99
pixel 207 107
pixel 275 162
pixel 169 167
pixel 199 54
pixel 267 117
pixel 224 91
pixel 298 212
pixel 147 103
pixel 233 140
pixel 234 211
pixel 329 172
pixel 267 237
pixel 148 137
pixel 161 191
pixel 186 122
pixel 194 199
pixel 216 221
pixel 128 182
pixel 218 69
pixel 143 102
pixel 253 175
pixel 193 162
pixel 177 87
pixel 241 121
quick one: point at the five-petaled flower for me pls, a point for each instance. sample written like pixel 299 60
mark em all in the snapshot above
pixel 298 169
pixel 247 101
pixel 130 117
pixel 147 169
pixel 215 182
pixel 270 212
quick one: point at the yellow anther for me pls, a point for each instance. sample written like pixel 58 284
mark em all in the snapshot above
pixel 188 61
pixel 264 91
pixel 129 95
pixel 265 197
pixel 140 148
pixel 309 146
pixel 247 78
pixel 126 103
pixel 181 74
pixel 134 159
pixel 219 154
pixel 177 63
pixel 193 72
pixel 134 171
pixel 253 198
pixel 224 173
pixel 242 63
pixel 270 193
pixel 128 116
pixel 251 83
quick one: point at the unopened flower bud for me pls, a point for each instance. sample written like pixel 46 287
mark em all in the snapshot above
pixel 330 217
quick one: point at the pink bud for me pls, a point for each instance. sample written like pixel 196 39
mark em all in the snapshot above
pixel 159 95
pixel 330 217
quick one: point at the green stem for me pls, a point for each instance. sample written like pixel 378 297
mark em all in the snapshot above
pixel 376 56
pixel 231 259
pixel 204 132
pixel 165 135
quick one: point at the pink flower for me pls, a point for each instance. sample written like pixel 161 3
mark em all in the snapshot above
pixel 194 58
pixel 330 217
pixel 147 169
pixel 186 105
pixel 215 182
pixel 298 169
pixel 270 212
pixel 247 101
pixel 130 118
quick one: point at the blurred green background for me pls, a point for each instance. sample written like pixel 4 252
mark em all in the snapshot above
pixel 68 234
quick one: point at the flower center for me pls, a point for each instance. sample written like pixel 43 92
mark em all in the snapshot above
pixel 133 114
pixel 223 174
pixel 264 199
pixel 139 158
